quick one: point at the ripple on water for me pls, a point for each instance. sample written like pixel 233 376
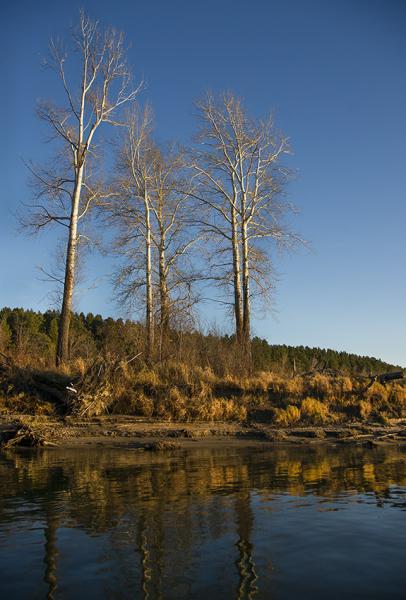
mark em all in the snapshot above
pixel 244 523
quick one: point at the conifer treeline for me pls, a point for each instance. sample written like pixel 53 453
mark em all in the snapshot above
pixel 30 338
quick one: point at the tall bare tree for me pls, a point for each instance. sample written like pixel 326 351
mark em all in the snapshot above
pixel 131 211
pixel 240 181
pixel 174 238
pixel 100 85
pixel 150 211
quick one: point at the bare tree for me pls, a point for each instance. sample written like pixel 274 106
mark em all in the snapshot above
pixel 67 190
pixel 131 211
pixel 240 181
pixel 174 237
pixel 150 211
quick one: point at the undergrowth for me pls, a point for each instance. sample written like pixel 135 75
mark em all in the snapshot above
pixel 179 392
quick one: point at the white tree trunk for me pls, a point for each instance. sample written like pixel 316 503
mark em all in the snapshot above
pixel 149 291
pixel 163 294
pixel 62 354
pixel 237 277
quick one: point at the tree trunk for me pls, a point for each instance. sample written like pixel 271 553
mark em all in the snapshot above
pixel 149 294
pixel 62 354
pixel 163 293
pixel 246 319
pixel 237 278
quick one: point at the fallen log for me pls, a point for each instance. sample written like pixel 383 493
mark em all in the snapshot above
pixel 386 377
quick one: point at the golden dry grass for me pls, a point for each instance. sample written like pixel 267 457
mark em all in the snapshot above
pixel 314 412
pixel 287 416
pixel 177 391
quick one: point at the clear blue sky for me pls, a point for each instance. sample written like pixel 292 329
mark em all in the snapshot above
pixel 333 72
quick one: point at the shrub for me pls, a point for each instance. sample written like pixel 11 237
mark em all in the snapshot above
pixel 344 385
pixel 176 404
pixel 175 373
pixel 377 394
pixel 203 390
pixel 398 394
pixel 314 412
pixel 320 386
pixel 277 385
pixel 146 378
pixel 205 375
pixel 78 366
pixel 287 416
pixel 294 386
pixel 261 381
pixel 142 405
pixel 365 409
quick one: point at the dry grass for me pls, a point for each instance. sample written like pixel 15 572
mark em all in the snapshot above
pixel 179 392
pixel 365 409
pixel 146 377
pixel 285 417
pixel 142 405
pixel 314 412
pixel 377 395
pixel 321 386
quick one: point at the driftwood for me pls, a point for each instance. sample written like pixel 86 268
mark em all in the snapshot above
pixel 386 377
pixel 91 394
pixel 95 391
pixel 22 435
pixel 380 378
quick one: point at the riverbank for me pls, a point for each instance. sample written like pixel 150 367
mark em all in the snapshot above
pixel 151 434
pixel 177 393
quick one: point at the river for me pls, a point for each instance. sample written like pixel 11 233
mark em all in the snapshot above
pixel 285 523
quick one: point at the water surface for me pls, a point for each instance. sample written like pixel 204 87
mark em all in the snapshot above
pixel 283 523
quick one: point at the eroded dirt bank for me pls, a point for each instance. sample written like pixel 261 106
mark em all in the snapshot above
pixel 141 433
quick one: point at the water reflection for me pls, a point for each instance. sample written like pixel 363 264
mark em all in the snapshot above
pixel 203 523
pixel 244 519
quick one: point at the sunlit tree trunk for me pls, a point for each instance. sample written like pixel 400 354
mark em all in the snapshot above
pixel 62 353
pixel 236 278
pixel 246 323
pixel 149 290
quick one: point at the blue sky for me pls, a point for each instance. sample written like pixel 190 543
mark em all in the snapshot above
pixel 334 74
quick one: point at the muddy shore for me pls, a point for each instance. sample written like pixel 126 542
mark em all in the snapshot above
pixel 149 434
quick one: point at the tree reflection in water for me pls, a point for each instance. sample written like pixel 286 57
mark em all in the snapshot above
pixel 178 524
pixel 245 564
pixel 51 552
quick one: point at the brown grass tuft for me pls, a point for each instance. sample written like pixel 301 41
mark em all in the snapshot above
pixel 287 416
pixel 314 412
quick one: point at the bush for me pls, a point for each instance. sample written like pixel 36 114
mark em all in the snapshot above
pixel 377 394
pixel 320 386
pixel 176 404
pixel 287 416
pixel 142 405
pixel 294 387
pixel 147 378
pixel 344 384
pixel 314 412
pixel 365 409
pixel 175 373
pixel 398 395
